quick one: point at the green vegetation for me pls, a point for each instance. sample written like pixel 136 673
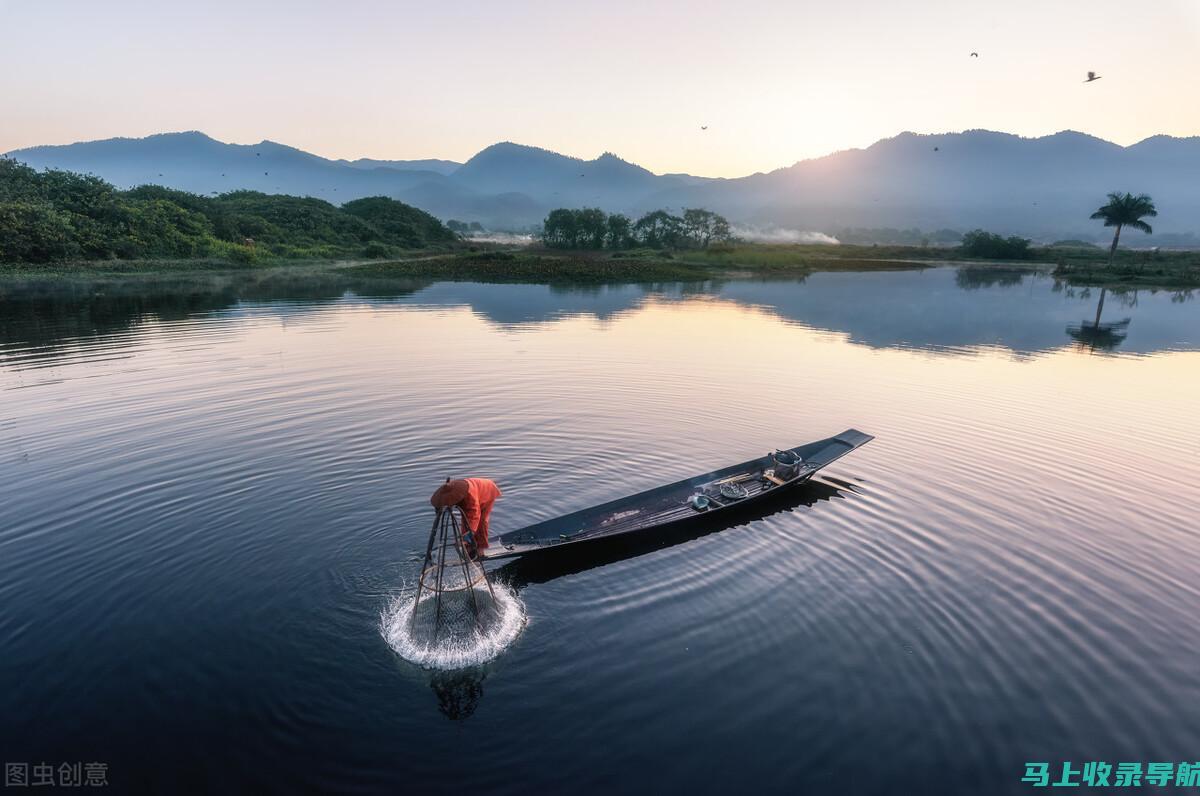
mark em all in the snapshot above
pixel 990 246
pixel 1077 265
pixel 641 265
pixel 58 216
pixel 538 267
pixel 1126 211
pixel 57 224
pixel 763 258
pixel 592 228
pixel 1174 270
pixel 1072 244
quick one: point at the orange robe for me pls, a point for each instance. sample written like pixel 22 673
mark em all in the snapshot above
pixel 475 496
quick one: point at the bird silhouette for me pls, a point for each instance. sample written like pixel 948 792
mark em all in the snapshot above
pixel 704 127
pixel 935 149
pixel 265 173
pixel 974 55
pixel 582 175
pixel 258 154
pixel 1092 76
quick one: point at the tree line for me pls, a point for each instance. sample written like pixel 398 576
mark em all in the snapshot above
pixel 592 228
pixel 52 216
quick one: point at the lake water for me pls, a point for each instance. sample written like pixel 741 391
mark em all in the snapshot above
pixel 208 496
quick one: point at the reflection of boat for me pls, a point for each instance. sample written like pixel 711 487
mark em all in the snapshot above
pixel 683 501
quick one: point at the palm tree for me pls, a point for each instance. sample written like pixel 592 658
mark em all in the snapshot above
pixel 1125 210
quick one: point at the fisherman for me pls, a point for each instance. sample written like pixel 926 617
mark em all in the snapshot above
pixel 475 496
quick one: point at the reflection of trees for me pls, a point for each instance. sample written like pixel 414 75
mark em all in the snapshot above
pixel 1097 336
pixel 969 278
pixel 52 315
pixel 458 692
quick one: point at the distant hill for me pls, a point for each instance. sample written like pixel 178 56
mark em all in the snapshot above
pixel 1045 187
pixel 1040 187
pixel 429 164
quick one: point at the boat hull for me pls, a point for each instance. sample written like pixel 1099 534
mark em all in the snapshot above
pixel 668 506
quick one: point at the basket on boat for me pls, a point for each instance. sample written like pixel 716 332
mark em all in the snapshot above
pixel 733 491
pixel 787 464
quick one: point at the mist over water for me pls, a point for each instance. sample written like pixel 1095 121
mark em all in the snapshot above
pixel 213 504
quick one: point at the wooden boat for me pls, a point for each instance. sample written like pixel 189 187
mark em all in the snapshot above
pixel 682 501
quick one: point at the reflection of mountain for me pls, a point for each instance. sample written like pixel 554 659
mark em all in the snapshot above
pixel 936 309
pixel 940 309
pixel 515 305
pixel 929 310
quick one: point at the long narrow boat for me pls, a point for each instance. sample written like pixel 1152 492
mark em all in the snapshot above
pixel 682 501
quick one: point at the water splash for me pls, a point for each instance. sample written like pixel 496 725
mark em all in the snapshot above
pixel 459 642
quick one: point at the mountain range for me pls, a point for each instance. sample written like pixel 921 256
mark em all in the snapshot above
pixel 1040 187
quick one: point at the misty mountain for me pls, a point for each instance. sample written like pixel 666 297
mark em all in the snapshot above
pixel 1041 187
pixel 1045 187
pixel 429 164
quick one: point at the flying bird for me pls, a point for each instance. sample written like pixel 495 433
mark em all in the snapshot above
pixel 935 149
pixel 704 127
pixel 258 154
pixel 582 175
pixel 265 173
pixel 974 55
pixel 1092 76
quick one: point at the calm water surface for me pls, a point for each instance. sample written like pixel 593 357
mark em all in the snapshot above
pixel 208 496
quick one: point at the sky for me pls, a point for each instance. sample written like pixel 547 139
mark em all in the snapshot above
pixel 775 81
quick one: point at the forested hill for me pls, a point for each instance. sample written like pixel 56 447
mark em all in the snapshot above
pixel 52 216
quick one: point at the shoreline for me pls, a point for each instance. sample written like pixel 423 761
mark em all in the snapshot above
pixel 553 266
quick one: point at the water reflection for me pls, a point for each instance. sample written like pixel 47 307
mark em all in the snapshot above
pixel 1098 336
pixel 458 692
pixel 216 491
pixel 974 278
pixel 944 310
